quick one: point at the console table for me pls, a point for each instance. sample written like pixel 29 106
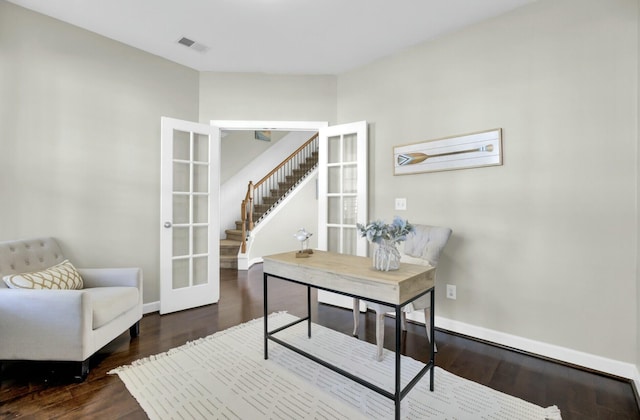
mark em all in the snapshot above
pixel 355 277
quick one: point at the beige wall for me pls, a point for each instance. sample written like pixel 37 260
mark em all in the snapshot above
pixel 79 140
pixel 544 247
pixel 301 211
pixel 265 97
pixel 238 148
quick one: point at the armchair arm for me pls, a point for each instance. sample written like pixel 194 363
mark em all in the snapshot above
pixel 105 277
pixel 44 324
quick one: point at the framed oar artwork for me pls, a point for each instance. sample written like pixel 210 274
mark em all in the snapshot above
pixel 457 152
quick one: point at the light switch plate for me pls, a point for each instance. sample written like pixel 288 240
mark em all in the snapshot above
pixel 401 203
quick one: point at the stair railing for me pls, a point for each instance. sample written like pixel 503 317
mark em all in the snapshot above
pixel 276 185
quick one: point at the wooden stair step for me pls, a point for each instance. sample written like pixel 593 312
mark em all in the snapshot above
pixel 239 224
pixel 272 199
pixel 284 185
pixel 280 192
pixel 234 234
pixel 229 247
pixel 261 208
pixel 229 261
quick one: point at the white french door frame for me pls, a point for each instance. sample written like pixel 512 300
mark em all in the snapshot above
pixel 340 163
pixel 194 286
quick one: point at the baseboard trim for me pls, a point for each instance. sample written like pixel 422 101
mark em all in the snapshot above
pixel 245 264
pixel 562 354
pixel 151 307
pixel 635 384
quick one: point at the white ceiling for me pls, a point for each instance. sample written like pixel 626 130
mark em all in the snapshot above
pixel 272 36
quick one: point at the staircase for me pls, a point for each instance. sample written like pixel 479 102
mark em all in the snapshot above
pixel 276 195
pixel 267 199
pixel 230 246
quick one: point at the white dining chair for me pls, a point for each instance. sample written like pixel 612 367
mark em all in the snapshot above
pixel 423 247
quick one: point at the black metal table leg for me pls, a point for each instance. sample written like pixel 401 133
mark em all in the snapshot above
pixel 309 310
pixel 398 394
pixel 264 287
pixel 432 334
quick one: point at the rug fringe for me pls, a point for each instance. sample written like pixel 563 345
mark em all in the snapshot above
pixel 188 344
pixel 552 413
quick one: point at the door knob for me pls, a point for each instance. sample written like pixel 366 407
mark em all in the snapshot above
pixel 167 224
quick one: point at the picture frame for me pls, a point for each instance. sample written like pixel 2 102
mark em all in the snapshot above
pixel 473 150
pixel 264 135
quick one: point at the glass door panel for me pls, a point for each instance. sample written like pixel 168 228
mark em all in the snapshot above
pixel 181 145
pixel 200 148
pixel 180 177
pixel 180 209
pixel 200 270
pixel 350 179
pixel 333 149
pixel 200 208
pixel 350 210
pixel 350 148
pixel 180 241
pixel 334 210
pixel 333 239
pixel 334 181
pixel 350 237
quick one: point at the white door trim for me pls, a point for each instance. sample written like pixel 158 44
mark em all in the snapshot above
pixel 269 125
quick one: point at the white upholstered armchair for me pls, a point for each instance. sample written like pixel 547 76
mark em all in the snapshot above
pixel 423 247
pixel 63 325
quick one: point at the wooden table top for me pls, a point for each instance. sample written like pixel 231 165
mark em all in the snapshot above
pixel 352 274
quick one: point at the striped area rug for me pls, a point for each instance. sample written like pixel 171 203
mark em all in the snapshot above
pixel 225 376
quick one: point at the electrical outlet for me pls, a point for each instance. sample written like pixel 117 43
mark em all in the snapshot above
pixel 451 291
pixel 401 203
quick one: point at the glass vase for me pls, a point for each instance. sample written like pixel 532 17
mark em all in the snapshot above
pixel 386 256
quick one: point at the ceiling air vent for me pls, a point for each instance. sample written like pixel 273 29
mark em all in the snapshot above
pixel 193 45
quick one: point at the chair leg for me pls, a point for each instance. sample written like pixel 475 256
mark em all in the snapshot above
pixel 427 325
pixel 356 316
pixel 403 319
pixel 134 330
pixel 379 334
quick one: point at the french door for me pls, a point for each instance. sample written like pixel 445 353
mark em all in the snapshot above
pixel 190 196
pixel 342 195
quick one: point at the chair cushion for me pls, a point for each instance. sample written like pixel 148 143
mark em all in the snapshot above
pixel 60 276
pixel 110 302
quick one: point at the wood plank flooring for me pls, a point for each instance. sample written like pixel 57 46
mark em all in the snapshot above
pixel 46 391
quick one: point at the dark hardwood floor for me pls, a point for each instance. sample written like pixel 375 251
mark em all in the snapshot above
pixel 46 390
